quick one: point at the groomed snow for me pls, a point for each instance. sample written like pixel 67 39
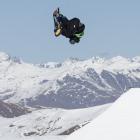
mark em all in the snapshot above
pixel 120 122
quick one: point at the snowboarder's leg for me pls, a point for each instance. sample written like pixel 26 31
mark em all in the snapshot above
pixel 60 22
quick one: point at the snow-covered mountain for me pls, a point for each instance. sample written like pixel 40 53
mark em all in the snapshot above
pixel 72 84
pixel 48 121
pixel 120 122
pixel 9 110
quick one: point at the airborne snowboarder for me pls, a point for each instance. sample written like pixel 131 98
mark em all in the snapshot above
pixel 72 29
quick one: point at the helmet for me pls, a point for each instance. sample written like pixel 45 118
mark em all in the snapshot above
pixel 74 40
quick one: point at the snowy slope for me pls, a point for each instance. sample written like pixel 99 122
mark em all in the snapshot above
pixel 46 122
pixel 49 137
pixel 49 121
pixel 120 122
pixel 71 84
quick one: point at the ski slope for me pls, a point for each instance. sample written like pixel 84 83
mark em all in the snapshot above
pixel 120 122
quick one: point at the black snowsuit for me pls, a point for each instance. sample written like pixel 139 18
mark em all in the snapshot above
pixel 70 27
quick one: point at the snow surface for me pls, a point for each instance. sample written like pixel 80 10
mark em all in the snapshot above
pixel 120 122
pixel 49 137
pixel 47 123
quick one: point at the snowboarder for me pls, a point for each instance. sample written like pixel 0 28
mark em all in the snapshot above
pixel 72 29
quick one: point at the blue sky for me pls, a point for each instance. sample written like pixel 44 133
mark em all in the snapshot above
pixel 112 28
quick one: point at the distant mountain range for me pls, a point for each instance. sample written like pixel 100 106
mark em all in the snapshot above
pixel 72 84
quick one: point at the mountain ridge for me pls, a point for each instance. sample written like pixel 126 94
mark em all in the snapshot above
pixel 73 84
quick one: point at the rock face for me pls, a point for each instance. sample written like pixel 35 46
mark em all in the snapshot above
pixel 11 110
pixel 71 84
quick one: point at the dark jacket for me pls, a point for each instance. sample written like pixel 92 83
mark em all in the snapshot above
pixel 70 27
